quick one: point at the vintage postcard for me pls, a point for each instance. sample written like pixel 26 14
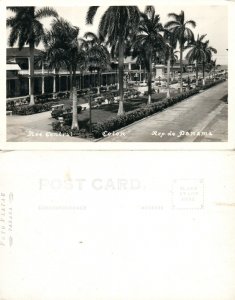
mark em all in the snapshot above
pixel 117 225
pixel 86 225
pixel 117 77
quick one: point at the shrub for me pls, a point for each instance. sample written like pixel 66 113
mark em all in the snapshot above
pixel 137 114
pixel 66 129
pixel 103 89
pixel 211 84
pixel 10 105
pixel 62 95
pixel 152 92
pixel 79 109
pixel 113 87
pixel 45 98
pixel 82 122
pixel 57 113
pixel 33 109
pixel 94 90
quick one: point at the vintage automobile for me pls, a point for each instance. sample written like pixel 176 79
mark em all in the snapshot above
pixel 58 110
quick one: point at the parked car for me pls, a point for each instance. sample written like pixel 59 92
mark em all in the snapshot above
pixel 59 110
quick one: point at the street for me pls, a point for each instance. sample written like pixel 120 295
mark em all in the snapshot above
pixel 35 128
pixel 202 117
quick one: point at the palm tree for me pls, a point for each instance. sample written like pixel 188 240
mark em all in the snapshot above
pixel 196 53
pixel 63 49
pixel 173 60
pixel 117 24
pixel 181 33
pixel 200 52
pixel 127 46
pixel 150 40
pixel 208 50
pixel 97 54
pixel 141 58
pixel 26 29
pixel 213 66
pixel 169 55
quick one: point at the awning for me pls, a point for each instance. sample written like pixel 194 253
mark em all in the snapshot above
pixel 13 67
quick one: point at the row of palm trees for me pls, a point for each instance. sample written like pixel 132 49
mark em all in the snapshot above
pixel 122 31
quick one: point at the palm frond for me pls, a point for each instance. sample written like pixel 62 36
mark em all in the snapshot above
pixel 46 12
pixel 173 15
pixel 13 8
pixel 149 10
pixel 13 37
pixel 171 24
pixel 213 50
pixel 91 35
pixel 192 23
pixel 10 21
pixel 91 14
pixel 200 38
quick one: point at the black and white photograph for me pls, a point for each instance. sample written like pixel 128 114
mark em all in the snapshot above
pixel 117 74
pixel 117 141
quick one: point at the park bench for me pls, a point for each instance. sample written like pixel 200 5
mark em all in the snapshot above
pixel 84 106
pixel 9 113
pixel 56 107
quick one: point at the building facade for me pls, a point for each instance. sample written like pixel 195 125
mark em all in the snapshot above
pixel 50 81
pixel 45 80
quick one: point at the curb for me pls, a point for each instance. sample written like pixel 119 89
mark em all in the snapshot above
pixel 136 122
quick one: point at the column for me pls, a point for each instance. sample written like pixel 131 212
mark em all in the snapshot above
pixel 43 85
pixel 59 83
pixel 29 75
pixel 17 87
pixel 168 78
pixel 107 82
pixel 29 86
pixel 67 83
pixel 54 86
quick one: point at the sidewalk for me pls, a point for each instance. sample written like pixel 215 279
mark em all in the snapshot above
pixel 200 118
pixel 35 128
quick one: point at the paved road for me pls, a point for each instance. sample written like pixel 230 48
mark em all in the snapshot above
pixel 201 112
pixel 204 114
pixel 35 128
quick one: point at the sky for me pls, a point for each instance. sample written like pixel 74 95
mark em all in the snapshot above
pixel 211 20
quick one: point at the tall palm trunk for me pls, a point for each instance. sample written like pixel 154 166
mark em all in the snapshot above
pixel 196 73
pixel 31 73
pixel 90 79
pixel 120 74
pixel 75 102
pixel 168 78
pixel 99 81
pixel 203 72
pixel 150 78
pixel 71 82
pixel 171 70
pixel 144 79
pixel 181 68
